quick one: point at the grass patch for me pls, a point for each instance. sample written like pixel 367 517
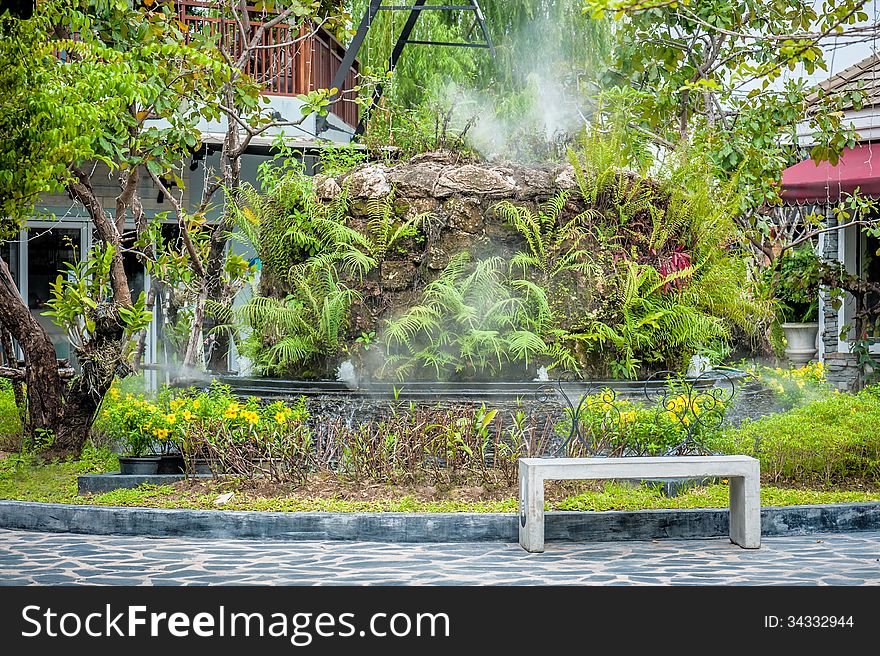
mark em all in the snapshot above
pixel 10 422
pixel 830 442
pixel 24 480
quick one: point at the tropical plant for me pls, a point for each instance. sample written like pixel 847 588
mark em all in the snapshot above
pixel 385 229
pixel 553 246
pixel 79 300
pixel 303 332
pixel 468 323
pixel 796 285
pixel 288 226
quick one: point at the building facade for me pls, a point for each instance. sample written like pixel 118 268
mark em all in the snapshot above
pixel 62 232
pixel 817 188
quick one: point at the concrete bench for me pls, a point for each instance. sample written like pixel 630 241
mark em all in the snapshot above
pixel 743 473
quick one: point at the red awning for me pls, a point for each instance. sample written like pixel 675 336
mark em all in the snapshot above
pixel 805 182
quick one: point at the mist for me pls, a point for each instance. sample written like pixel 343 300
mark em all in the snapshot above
pixel 552 102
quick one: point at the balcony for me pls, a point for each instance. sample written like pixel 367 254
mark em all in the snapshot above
pixel 285 66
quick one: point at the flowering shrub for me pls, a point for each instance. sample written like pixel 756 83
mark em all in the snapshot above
pixel 621 427
pixel 133 423
pixel 237 438
pixel 794 387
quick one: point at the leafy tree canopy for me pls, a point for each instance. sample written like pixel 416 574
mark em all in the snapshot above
pixel 734 75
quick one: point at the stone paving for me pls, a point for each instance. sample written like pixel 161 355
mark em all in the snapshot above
pixel 28 558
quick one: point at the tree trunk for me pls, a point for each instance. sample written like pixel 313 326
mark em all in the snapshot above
pixel 43 384
pixel 108 232
pixel 140 347
pixel 100 360
pixel 217 288
pixel 190 357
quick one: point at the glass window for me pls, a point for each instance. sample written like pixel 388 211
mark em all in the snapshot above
pixel 9 251
pixel 49 249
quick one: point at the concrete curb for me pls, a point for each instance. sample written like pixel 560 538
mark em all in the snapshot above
pixel 426 527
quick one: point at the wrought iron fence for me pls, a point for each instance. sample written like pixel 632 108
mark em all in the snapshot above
pixel 672 415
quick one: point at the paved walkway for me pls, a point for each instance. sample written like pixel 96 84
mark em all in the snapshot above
pixel 60 558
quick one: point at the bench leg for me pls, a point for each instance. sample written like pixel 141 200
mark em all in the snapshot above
pixel 531 509
pixel 745 510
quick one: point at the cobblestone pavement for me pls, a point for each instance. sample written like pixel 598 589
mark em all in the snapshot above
pixel 60 558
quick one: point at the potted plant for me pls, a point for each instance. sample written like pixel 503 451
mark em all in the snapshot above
pixel 129 422
pixel 137 455
pixel 170 460
pixel 797 295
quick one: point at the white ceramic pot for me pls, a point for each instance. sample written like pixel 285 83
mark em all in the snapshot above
pixel 801 340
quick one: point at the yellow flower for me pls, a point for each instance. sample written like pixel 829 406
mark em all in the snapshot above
pixel 250 416
pixel 162 433
pixel 187 415
pixel 113 392
pixel 170 419
pixel 231 411
pixel 280 417
pixel 197 404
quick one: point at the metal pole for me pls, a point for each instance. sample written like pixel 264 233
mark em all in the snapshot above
pixel 351 54
pixel 414 14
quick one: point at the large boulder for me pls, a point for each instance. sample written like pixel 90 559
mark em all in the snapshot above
pixel 416 180
pixel 326 188
pixel 464 214
pixel 471 180
pixel 368 182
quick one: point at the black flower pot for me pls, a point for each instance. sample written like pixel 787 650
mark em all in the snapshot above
pixel 199 466
pixel 143 466
pixel 170 463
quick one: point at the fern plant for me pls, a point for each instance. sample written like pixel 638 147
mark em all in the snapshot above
pixel 289 226
pixel 552 247
pixel 469 322
pixel 385 229
pixel 302 333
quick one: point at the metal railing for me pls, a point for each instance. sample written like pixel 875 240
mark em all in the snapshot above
pixel 291 59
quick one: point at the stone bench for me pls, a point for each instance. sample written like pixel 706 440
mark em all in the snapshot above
pixel 743 473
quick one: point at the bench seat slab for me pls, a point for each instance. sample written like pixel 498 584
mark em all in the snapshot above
pixel 743 473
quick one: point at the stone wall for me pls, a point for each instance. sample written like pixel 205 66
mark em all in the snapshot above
pixel 459 197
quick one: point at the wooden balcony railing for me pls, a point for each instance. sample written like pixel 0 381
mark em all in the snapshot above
pixel 286 63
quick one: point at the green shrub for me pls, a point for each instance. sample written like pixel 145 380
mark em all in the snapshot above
pixel 794 387
pixel 10 420
pixel 830 441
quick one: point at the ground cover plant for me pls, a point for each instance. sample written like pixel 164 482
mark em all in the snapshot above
pixel 10 419
pixel 830 441
pixel 25 479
